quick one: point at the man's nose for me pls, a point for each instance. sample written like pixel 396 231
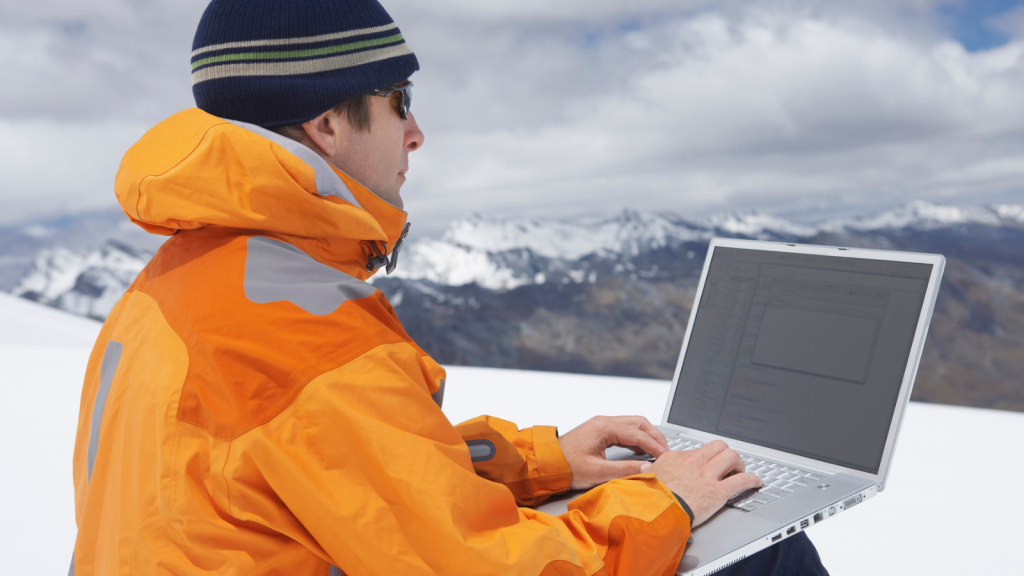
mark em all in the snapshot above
pixel 413 134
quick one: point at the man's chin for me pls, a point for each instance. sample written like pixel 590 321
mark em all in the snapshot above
pixel 397 196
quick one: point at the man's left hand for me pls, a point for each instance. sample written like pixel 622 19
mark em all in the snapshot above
pixel 584 448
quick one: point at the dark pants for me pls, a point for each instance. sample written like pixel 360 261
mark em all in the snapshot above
pixel 794 556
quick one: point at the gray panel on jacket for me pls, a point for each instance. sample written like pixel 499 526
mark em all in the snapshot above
pixel 111 358
pixel 276 272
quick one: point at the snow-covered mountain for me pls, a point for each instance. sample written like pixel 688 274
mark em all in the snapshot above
pixel 493 253
pixel 21 244
pixel 87 284
pixel 505 253
pixel 613 295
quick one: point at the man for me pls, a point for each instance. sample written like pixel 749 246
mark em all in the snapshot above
pixel 252 406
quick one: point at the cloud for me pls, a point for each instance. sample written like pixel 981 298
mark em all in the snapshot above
pixel 56 167
pixel 706 112
pixel 577 106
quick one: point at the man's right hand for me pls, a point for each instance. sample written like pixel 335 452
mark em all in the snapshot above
pixel 704 478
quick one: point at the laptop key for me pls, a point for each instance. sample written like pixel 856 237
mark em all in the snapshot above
pixel 762 498
pixel 774 492
pixel 748 506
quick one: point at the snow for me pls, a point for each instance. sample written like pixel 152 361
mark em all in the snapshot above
pixel 466 253
pixel 25 323
pixel 470 251
pixel 961 518
pixel 571 239
pixel 923 215
pixel 54 273
pixel 950 506
pixel 757 225
pixel 86 284
pixel 43 353
pixel 454 265
pixel 501 253
pixel 1013 212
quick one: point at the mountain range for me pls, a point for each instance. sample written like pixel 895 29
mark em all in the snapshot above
pixel 605 295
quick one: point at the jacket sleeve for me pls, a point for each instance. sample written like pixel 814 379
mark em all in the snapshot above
pixel 529 462
pixel 375 480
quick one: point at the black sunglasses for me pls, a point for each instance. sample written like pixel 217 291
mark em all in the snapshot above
pixel 405 90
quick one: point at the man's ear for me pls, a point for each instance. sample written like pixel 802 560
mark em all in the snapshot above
pixel 324 132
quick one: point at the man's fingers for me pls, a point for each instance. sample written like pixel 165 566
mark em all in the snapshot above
pixel 708 451
pixel 623 434
pixel 726 462
pixel 622 468
pixel 738 483
pixel 645 425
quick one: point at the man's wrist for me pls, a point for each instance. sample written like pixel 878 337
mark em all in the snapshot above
pixel 686 508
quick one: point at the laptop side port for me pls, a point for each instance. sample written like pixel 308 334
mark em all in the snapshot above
pixel 805 523
pixel 777 537
pixel 819 516
pixel 791 531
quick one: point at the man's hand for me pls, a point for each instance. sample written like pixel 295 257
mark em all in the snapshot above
pixel 704 478
pixel 584 448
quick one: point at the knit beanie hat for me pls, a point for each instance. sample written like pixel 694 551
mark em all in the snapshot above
pixel 279 62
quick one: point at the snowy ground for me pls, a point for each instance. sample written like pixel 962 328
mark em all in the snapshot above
pixel 952 505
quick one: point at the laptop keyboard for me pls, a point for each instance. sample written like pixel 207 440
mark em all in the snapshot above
pixel 779 481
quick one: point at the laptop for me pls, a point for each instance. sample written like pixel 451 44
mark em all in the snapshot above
pixel 802 358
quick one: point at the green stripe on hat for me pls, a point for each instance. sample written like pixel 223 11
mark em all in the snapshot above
pixel 296 67
pixel 311 53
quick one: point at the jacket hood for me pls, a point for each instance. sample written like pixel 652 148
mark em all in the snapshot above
pixel 195 170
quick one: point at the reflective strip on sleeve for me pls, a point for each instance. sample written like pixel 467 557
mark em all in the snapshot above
pixel 335 571
pixel 439 395
pixel 111 358
pixel 481 450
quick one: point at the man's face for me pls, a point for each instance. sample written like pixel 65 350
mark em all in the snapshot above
pixel 379 158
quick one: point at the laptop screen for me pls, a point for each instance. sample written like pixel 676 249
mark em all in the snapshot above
pixel 800 352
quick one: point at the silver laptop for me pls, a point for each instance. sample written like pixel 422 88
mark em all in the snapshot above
pixel 802 358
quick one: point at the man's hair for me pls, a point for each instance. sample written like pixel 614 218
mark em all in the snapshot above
pixel 356 110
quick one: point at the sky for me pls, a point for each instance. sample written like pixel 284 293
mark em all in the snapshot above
pixel 802 108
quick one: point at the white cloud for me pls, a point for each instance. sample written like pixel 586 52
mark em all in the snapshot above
pixel 760 109
pixel 575 106
pixel 54 167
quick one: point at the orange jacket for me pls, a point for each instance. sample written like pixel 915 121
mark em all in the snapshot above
pixel 252 406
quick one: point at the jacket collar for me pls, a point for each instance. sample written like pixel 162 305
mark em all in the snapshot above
pixel 195 170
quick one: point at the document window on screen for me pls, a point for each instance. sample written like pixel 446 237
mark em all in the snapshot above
pixel 816 326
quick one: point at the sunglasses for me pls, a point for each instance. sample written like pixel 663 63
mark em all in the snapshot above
pixel 406 100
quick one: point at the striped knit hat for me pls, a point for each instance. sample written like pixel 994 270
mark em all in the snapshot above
pixel 280 62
